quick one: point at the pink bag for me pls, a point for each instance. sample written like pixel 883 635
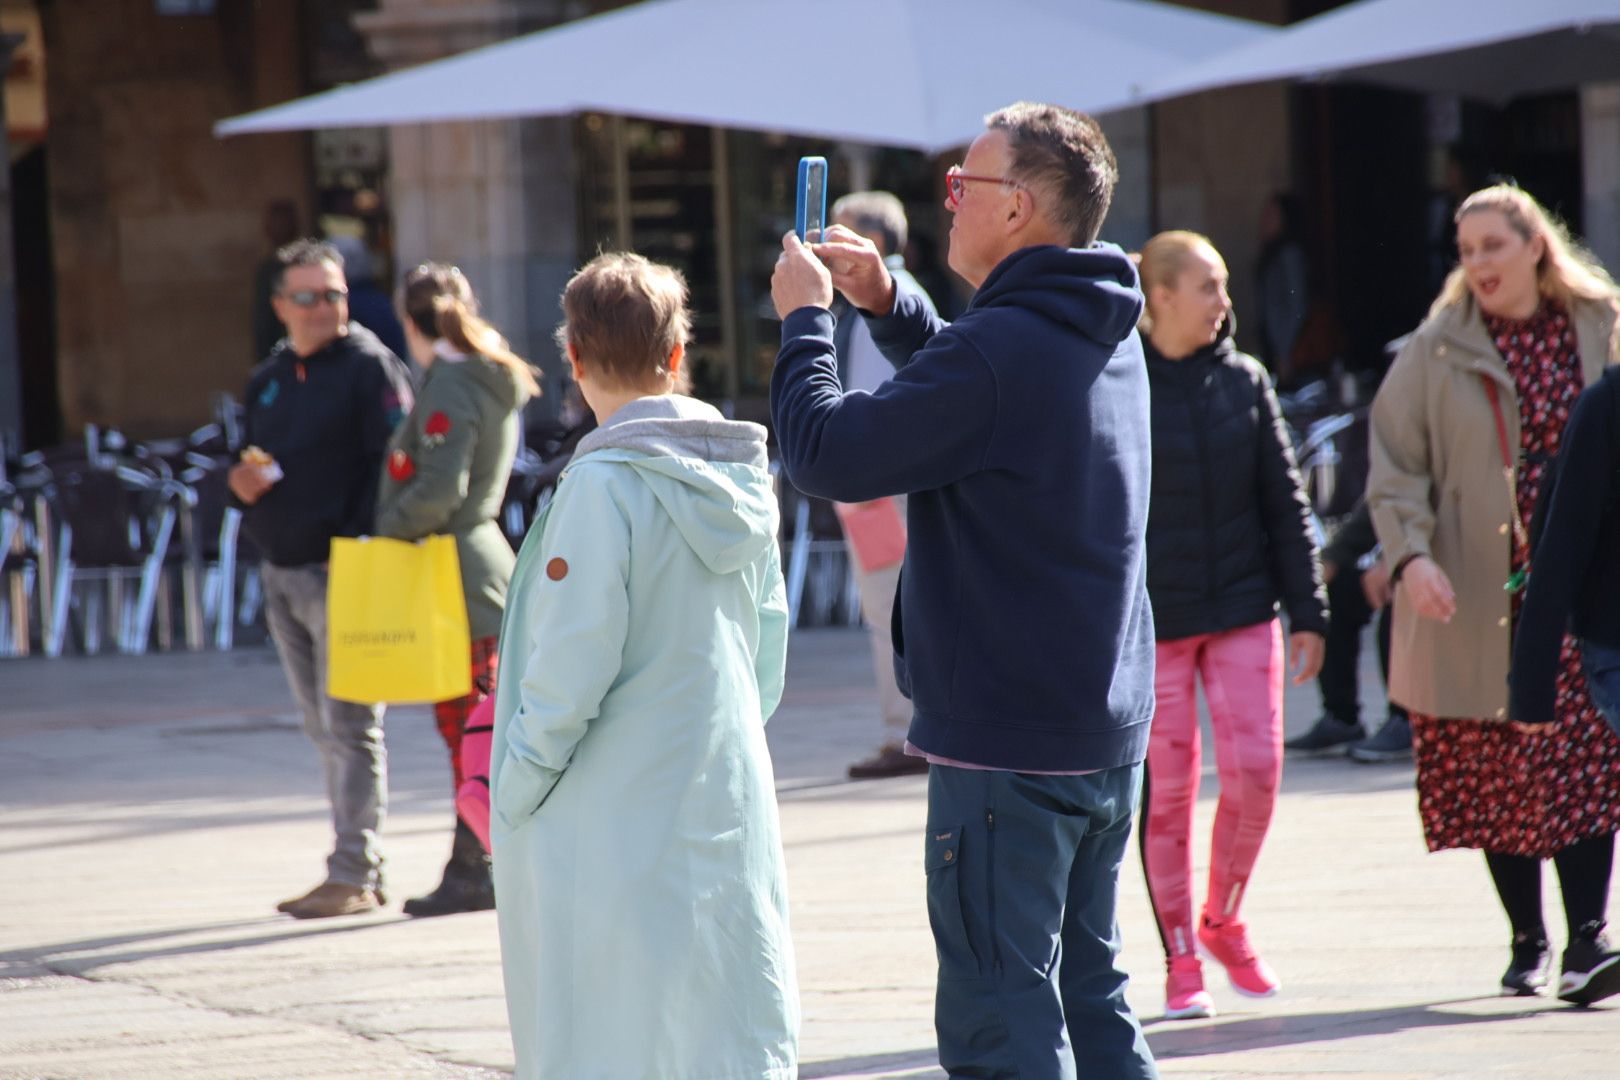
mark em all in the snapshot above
pixel 472 800
pixel 876 532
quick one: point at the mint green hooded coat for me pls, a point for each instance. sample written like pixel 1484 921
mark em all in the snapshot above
pixel 639 879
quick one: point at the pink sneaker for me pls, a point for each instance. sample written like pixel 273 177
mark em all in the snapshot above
pixel 1228 943
pixel 1184 995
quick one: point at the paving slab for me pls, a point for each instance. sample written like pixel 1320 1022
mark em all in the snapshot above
pixel 153 810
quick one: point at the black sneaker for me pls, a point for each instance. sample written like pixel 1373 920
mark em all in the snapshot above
pixel 1329 735
pixel 1526 975
pixel 1392 742
pixel 1591 967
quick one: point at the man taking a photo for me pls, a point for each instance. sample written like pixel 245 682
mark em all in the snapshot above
pixel 1024 636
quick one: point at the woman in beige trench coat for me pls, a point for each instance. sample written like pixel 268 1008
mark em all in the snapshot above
pixel 1462 430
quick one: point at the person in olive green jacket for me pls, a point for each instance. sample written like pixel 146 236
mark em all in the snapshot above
pixel 446 473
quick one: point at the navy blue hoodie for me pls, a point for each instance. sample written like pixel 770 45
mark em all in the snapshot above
pixel 1022 631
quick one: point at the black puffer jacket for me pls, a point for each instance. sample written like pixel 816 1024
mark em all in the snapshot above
pixel 1229 531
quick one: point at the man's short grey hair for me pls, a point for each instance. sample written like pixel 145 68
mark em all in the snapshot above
pixel 875 212
pixel 1064 158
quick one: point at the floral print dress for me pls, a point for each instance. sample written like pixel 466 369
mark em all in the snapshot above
pixel 1518 789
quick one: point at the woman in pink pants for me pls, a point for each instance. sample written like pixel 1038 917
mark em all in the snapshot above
pixel 1228 537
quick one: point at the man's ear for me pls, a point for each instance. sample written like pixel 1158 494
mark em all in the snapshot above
pixel 573 362
pixel 677 356
pixel 1020 211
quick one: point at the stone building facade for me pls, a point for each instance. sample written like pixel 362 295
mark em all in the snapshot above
pixel 150 228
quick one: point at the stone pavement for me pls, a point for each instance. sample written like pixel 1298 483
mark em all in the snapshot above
pixel 153 809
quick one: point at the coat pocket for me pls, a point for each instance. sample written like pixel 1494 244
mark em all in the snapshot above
pixel 941 860
pixel 517 790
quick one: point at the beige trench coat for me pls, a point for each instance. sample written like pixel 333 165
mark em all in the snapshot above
pixel 1436 488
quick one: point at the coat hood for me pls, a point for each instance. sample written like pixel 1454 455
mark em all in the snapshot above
pixel 494 378
pixel 1094 289
pixel 710 474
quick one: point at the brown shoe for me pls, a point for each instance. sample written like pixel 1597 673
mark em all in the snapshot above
pixel 332 899
pixel 892 760
pixel 287 905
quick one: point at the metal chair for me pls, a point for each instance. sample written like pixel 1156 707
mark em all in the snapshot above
pixel 114 524
pixel 18 570
pixel 211 534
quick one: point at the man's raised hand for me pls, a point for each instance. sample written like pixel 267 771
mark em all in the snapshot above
pixel 800 279
pixel 857 269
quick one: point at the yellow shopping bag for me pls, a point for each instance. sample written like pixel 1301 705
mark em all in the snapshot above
pixel 396 622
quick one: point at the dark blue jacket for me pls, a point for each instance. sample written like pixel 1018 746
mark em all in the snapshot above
pixel 1575 571
pixel 1022 630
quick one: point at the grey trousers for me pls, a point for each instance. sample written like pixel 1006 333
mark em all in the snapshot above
pixel 349 737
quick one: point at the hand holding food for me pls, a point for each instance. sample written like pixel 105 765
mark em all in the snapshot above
pixel 254 475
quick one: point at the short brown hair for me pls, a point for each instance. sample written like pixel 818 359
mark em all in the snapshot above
pixel 306 252
pixel 624 315
pixel 1063 155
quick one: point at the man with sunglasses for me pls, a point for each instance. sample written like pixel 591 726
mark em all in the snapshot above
pixel 318 415
pixel 1023 633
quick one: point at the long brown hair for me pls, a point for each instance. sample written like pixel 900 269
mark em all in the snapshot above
pixel 439 302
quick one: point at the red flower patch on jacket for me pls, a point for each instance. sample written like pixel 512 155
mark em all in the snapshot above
pixel 400 466
pixel 435 429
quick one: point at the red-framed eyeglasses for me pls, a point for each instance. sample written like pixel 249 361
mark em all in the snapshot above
pixel 956 183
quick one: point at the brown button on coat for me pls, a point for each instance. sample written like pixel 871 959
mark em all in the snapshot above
pixel 1436 488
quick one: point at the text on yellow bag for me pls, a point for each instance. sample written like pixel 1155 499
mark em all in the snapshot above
pixel 396 622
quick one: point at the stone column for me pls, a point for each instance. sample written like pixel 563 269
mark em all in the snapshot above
pixel 1600 170
pixel 495 197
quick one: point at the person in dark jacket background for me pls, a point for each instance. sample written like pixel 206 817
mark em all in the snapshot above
pixel 319 412
pixel 1022 629
pixel 369 303
pixel 1575 577
pixel 1358 588
pixel 1228 536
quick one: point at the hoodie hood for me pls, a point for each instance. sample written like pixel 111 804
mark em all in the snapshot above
pixel 1093 290
pixel 710 474
pixel 494 378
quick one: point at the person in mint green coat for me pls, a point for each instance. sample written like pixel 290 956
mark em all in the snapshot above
pixel 639 879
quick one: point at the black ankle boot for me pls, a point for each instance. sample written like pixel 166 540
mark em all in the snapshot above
pixel 466 885
pixel 1526 975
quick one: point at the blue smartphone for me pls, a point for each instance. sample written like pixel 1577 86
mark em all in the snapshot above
pixel 810 216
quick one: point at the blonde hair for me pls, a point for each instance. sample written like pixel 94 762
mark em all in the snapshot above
pixel 1566 273
pixel 1161 262
pixel 624 315
pixel 439 301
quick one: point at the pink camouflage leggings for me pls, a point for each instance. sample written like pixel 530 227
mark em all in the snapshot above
pixel 1242 671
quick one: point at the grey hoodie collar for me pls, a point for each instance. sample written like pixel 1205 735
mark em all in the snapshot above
pixel 674 425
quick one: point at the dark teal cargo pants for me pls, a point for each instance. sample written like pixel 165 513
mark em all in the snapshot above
pixel 1023 890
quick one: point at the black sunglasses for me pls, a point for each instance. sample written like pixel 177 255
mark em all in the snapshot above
pixel 308 298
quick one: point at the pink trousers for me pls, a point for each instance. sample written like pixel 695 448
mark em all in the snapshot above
pixel 1242 670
